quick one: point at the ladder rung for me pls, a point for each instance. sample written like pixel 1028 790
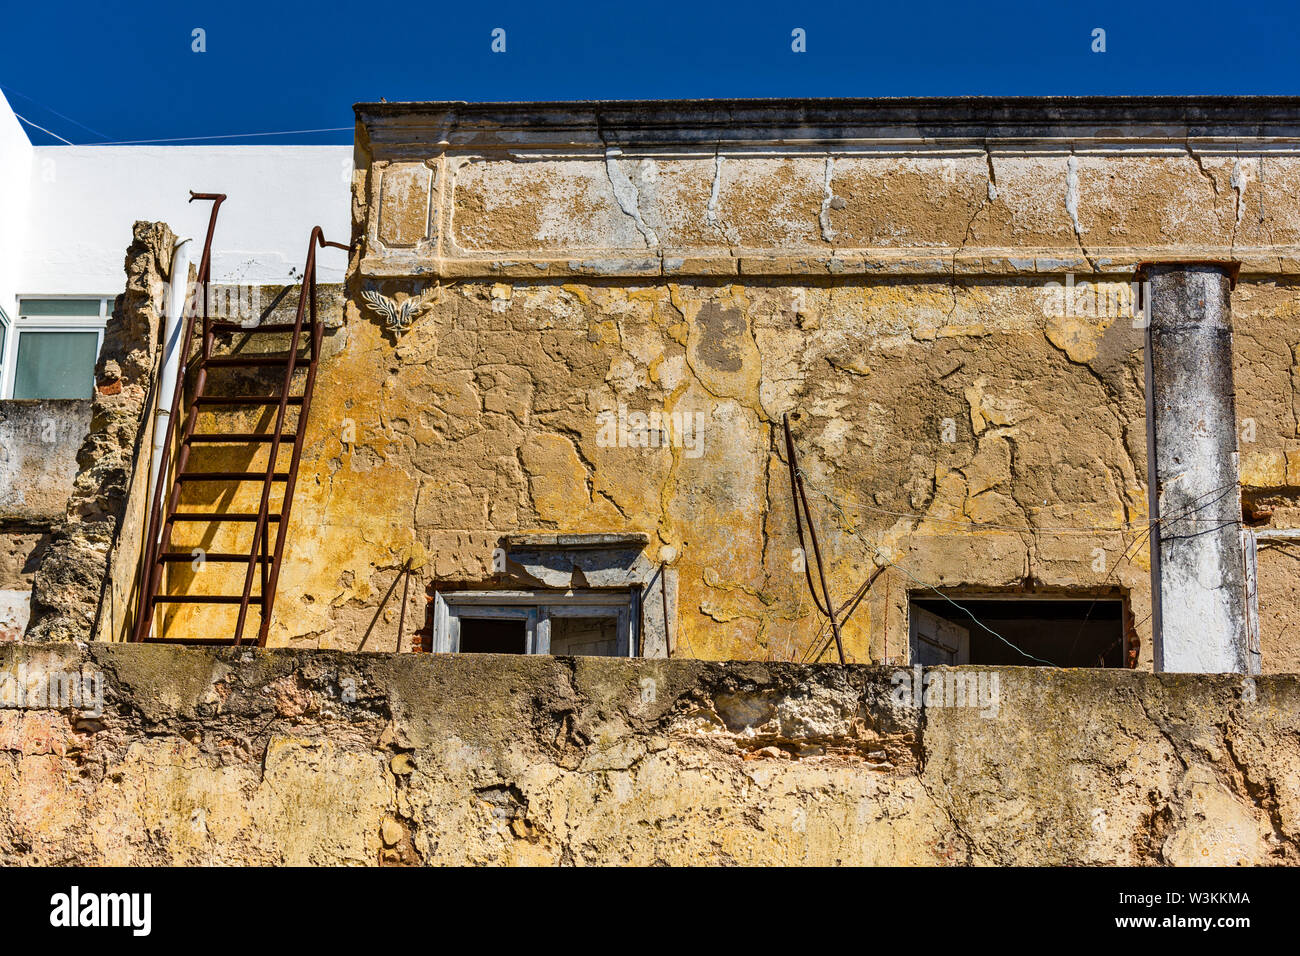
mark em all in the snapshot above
pixel 231 476
pixel 217 516
pixel 221 556
pixel 241 361
pixel 206 599
pixel 264 327
pixel 287 439
pixel 246 400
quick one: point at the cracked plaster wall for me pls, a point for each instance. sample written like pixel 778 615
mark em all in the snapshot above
pixel 236 756
pixel 891 297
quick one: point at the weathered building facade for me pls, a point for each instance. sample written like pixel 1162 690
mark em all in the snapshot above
pixel 611 308
pixel 66 221
pixel 1040 365
pixel 571 335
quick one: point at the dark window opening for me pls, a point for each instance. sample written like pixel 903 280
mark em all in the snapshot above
pixel 1066 633
pixel 480 635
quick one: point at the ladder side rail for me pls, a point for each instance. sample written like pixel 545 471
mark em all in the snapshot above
pixel 154 535
pixel 300 431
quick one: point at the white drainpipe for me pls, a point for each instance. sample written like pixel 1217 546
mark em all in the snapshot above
pixel 177 295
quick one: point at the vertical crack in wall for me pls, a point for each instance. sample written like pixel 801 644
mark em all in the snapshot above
pixel 711 211
pixel 993 178
pixel 1238 182
pixel 715 195
pixel 991 195
pixel 627 195
pixel 1072 203
pixel 828 196
pixel 1072 193
pixel 1200 165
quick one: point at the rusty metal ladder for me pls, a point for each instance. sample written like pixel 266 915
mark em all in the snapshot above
pixel 164 515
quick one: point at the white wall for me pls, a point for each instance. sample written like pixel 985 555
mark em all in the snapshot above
pixel 15 182
pixel 84 200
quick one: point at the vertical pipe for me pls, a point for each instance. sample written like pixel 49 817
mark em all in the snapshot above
pixel 169 368
pixel 1197 573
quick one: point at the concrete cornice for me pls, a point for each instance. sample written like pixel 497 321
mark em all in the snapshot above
pixel 930 187
pixel 911 120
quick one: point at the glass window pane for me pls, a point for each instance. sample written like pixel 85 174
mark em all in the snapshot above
pixel 41 307
pixel 55 364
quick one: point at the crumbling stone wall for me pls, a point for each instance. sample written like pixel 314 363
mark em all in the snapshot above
pixel 1266 336
pixel 38 443
pixel 94 554
pixel 237 756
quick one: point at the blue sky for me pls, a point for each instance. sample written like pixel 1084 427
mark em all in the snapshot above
pixel 103 72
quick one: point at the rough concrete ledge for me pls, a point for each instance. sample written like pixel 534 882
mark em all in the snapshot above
pixel 267 757
pixel 917 119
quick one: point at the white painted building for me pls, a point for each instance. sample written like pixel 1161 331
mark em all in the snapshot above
pixel 66 214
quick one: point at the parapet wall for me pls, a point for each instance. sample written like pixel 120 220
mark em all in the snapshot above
pixel 318 757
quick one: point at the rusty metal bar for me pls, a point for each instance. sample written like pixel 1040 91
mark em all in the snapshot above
pixel 800 497
pixel 156 537
pixel 306 304
pixel 401 620
pixel 384 603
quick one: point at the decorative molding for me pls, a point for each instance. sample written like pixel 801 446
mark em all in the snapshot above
pixel 397 316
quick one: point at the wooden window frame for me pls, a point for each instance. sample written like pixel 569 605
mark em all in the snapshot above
pixel 535 608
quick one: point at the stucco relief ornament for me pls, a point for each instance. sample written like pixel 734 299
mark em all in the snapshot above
pixel 397 316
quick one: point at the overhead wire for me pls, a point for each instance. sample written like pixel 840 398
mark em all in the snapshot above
pixel 190 139
pixel 9 90
pixel 1144 531
pixel 43 129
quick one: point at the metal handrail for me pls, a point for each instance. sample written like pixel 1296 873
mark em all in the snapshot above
pixel 154 544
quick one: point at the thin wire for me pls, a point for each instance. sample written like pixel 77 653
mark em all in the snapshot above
pixel 44 130
pixel 1197 505
pixel 188 139
pixel 850 605
pixel 49 109
pixel 884 557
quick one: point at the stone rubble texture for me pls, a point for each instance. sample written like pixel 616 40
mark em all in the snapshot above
pixel 93 551
pixel 39 439
pixel 234 756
